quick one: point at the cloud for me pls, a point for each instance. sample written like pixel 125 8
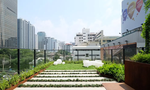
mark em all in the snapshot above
pixel 67 31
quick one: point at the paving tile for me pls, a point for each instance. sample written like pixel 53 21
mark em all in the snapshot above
pixel 89 88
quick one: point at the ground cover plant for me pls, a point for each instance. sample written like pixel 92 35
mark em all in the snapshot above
pixel 56 85
pixel 113 69
pixel 73 62
pixel 68 80
pixel 13 80
pixel 69 67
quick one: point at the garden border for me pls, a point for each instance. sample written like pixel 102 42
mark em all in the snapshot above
pixel 13 87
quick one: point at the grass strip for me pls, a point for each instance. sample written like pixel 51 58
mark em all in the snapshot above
pixel 70 67
pixel 56 85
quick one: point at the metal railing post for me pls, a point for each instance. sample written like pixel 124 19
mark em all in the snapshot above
pixel 92 55
pixel 44 56
pixel 111 55
pixel 123 56
pixel 77 55
pixel 34 57
pixel 18 61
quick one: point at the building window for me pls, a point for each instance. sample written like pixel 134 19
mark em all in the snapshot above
pixel 103 40
pixel 108 40
pixel 87 55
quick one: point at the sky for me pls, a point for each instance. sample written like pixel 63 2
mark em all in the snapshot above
pixel 62 19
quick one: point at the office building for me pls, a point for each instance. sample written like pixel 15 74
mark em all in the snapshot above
pixel 41 40
pixel 49 42
pixel 36 41
pixel 26 34
pixel 8 23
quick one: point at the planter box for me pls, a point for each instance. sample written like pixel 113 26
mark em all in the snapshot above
pixel 137 75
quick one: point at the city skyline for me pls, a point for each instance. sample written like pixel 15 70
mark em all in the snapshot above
pixel 63 19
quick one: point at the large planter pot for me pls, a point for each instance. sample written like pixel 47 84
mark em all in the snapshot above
pixel 137 75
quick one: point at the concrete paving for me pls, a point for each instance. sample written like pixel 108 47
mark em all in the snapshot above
pixel 71 78
pixel 68 75
pixel 70 72
pixel 68 83
pixel 83 88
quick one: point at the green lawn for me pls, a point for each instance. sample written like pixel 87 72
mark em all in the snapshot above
pixel 69 67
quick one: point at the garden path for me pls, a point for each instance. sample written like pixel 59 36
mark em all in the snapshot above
pixel 64 79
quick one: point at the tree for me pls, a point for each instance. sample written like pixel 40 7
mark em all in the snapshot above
pixel 146 27
pixel 56 56
pixel 147 5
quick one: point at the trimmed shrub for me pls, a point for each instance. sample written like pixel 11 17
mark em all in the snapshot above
pixel 114 70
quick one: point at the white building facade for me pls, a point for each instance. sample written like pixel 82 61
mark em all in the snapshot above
pixel 82 39
pixel 86 52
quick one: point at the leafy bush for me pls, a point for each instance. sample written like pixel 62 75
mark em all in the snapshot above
pixel 112 69
pixel 141 57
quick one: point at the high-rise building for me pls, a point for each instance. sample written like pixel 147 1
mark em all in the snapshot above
pixel 56 44
pixel 26 34
pixel 68 47
pixel 8 23
pixel 49 42
pixel 62 45
pixel 36 41
pixel 41 40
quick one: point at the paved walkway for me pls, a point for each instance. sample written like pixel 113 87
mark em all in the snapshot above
pixel 75 75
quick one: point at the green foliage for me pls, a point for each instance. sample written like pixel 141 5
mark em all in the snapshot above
pixel 112 69
pixel 146 27
pixel 147 5
pixel 64 52
pixel 13 80
pixel 56 56
pixel 141 57
pixel 4 84
pixel 60 85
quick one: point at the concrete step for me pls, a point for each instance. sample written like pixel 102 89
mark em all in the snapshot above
pixel 68 83
pixel 70 72
pixel 66 78
pixel 72 88
pixel 69 75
